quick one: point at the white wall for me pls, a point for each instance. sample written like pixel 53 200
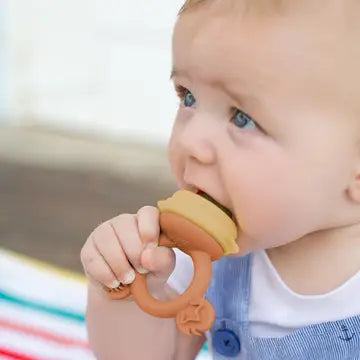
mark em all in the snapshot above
pixel 4 84
pixel 92 65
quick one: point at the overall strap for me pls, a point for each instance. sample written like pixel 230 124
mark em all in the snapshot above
pixel 229 291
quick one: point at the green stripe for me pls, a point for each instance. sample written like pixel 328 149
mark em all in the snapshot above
pixel 4 296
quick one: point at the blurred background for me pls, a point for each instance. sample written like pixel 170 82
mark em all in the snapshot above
pixel 86 110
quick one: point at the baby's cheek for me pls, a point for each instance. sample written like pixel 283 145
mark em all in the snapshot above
pixel 272 217
pixel 175 162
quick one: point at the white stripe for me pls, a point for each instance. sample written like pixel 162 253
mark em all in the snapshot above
pixel 46 322
pixel 204 355
pixel 36 347
pixel 31 283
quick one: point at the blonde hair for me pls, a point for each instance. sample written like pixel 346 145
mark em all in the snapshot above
pixel 188 3
pixel 258 5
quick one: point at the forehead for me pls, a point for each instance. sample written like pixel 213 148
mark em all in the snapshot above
pixel 217 42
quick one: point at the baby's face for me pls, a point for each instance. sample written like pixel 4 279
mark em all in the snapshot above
pixel 267 118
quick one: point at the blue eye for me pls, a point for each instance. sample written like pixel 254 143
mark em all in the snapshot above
pixel 189 99
pixel 243 120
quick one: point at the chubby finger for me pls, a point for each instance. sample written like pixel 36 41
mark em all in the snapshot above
pixel 148 225
pixel 96 267
pixel 126 229
pixel 107 244
pixel 159 260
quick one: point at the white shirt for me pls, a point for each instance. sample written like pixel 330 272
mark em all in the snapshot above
pixel 275 310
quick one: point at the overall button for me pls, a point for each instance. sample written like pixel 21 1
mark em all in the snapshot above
pixel 226 343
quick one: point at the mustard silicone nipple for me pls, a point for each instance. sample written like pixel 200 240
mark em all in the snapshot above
pixel 205 214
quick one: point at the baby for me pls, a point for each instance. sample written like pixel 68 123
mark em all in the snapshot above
pixel 269 126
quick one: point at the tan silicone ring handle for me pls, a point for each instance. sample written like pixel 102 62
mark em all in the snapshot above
pixel 193 313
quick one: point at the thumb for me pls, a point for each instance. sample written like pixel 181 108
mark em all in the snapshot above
pixel 159 260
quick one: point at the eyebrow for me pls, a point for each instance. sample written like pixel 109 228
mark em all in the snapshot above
pixel 238 97
pixel 175 72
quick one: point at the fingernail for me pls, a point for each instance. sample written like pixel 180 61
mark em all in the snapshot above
pixel 129 277
pixel 141 270
pixel 115 284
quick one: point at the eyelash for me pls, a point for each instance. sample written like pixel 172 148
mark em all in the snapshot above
pixel 181 92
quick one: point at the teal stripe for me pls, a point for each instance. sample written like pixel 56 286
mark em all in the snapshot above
pixel 13 299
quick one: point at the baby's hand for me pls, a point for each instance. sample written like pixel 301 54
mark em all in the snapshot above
pixel 127 242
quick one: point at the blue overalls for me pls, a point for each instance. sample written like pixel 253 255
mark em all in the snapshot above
pixel 229 292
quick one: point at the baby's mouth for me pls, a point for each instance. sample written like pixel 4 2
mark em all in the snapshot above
pixel 221 207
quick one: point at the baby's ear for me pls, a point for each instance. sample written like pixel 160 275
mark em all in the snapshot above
pixel 353 189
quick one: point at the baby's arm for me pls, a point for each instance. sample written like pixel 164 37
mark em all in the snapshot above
pixel 120 330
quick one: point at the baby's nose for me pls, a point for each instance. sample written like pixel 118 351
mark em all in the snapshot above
pixel 198 138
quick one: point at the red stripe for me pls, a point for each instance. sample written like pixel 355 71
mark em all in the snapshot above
pixel 16 355
pixel 43 334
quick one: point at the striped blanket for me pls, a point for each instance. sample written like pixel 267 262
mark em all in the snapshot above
pixel 42 312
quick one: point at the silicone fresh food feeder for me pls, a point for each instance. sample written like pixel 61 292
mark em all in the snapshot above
pixel 198 226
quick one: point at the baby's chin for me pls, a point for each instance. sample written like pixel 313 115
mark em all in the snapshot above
pixel 246 245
